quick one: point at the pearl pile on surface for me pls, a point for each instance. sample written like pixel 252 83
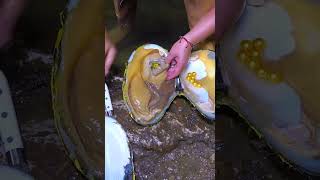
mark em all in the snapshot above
pixel 251 54
pixel 191 77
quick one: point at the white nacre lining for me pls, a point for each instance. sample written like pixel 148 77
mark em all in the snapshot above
pixel 131 56
pixel 270 22
pixel 117 152
pixel 196 65
pixel 162 51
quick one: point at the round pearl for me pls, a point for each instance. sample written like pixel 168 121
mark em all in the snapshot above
pixel 246 45
pixel 259 44
pixel 252 65
pixel 274 78
pixel 262 73
pixel 242 56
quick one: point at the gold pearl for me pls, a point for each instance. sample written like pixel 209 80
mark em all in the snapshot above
pixel 194 73
pixel 255 55
pixel 246 45
pixel 192 81
pixel 155 65
pixel 275 78
pixel 253 65
pixel 259 44
pixel 194 84
pixel 262 73
pixel 199 85
pixel 242 57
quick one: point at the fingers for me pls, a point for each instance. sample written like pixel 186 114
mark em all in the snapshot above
pixel 170 58
pixel 174 71
pixel 170 73
pixel 110 56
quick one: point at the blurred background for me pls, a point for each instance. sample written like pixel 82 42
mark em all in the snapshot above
pixel 27 66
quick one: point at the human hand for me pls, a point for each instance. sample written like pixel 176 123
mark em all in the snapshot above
pixel 110 54
pixel 178 58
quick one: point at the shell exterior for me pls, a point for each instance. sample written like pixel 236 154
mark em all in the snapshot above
pixel 201 63
pixel 118 161
pixel 270 63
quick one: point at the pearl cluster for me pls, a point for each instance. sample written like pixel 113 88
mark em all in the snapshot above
pixel 191 77
pixel 251 53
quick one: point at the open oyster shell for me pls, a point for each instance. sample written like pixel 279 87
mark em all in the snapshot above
pixel 148 94
pixel 77 104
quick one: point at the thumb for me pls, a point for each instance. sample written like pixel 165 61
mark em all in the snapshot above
pixel 176 70
pixel 169 58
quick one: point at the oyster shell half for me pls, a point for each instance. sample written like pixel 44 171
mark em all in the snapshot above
pixel 198 82
pixel 146 91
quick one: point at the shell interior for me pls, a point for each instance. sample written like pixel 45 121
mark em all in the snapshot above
pixel 117 152
pixel 76 94
pixel 146 90
pixel 198 82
